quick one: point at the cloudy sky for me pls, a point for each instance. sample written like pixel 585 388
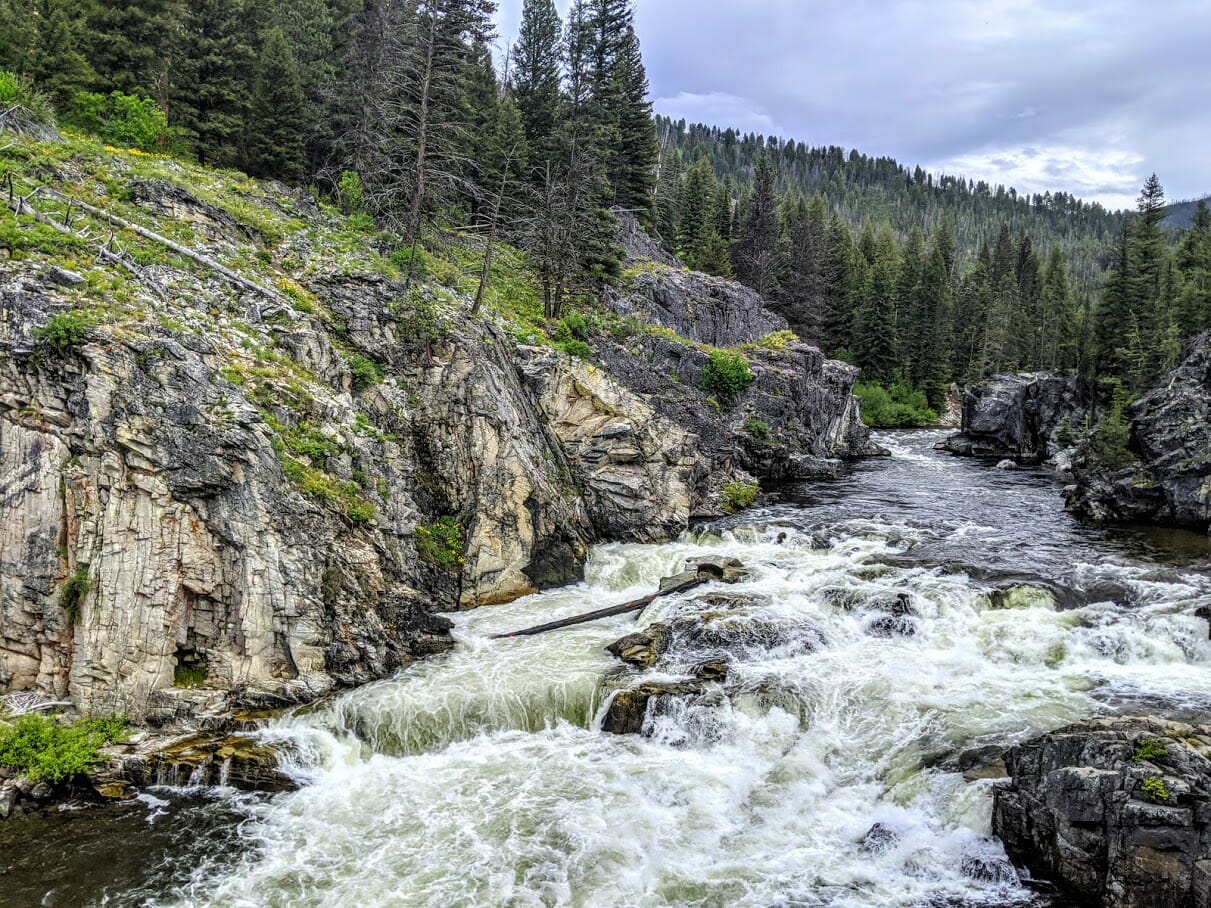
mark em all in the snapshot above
pixel 1088 97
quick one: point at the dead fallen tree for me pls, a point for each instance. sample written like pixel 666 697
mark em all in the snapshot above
pixel 699 571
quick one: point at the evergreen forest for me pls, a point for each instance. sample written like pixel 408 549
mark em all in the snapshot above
pixel 410 116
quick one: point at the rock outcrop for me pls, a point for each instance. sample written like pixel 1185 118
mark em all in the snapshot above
pixel 1117 811
pixel 271 498
pixel 1020 417
pixel 711 310
pixel 798 419
pixel 1169 481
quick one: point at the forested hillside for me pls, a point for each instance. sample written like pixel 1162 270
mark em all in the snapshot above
pixel 878 190
pixel 925 281
pixel 396 111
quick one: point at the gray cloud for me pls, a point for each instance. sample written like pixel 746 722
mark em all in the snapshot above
pixel 1086 97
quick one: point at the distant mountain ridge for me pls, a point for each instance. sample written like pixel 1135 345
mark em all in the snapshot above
pixel 1180 215
pixel 862 188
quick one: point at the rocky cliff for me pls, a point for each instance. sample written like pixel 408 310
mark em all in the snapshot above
pixel 253 485
pixel 1020 417
pixel 1118 811
pixel 1168 479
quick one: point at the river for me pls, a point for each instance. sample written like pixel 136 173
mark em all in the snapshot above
pixel 480 778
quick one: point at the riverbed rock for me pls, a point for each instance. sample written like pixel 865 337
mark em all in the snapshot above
pixel 1019 417
pixel 1169 480
pixel 629 708
pixel 1116 810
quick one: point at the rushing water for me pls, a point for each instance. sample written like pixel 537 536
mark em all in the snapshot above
pixel 479 778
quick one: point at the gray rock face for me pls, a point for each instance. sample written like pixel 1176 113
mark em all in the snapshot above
pixel 1170 483
pixel 188 492
pixel 139 467
pixel 796 421
pixel 711 310
pixel 1118 811
pixel 1019 416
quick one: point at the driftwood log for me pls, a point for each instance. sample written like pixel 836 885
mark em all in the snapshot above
pixel 697 573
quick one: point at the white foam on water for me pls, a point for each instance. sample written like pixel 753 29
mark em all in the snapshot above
pixel 479 778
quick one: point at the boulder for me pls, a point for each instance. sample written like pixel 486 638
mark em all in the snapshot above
pixel 1116 811
pixel 1019 416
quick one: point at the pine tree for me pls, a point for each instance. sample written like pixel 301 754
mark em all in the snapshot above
pixel 53 57
pixel 1192 293
pixel 934 370
pixel 697 212
pixel 207 96
pixel 912 306
pixel 534 74
pixel 278 108
pixel 875 343
pixel 755 254
pixel 632 160
pixel 131 46
pixel 669 200
pixel 811 269
pixel 1058 321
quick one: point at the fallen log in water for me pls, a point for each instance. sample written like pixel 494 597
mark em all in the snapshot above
pixel 697 573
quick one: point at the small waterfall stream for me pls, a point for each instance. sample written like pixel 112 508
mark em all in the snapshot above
pixel 824 771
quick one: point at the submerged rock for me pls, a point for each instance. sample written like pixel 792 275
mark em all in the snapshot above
pixel 1118 811
pixel 1170 439
pixel 1019 417
pixel 628 709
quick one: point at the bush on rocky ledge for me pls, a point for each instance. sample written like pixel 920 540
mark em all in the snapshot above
pixel 44 749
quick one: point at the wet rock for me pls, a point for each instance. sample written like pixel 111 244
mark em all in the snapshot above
pixel 1170 438
pixel 988 868
pixel 1204 612
pixel 718 567
pixel 236 760
pixel 642 649
pixel 892 626
pixel 1117 811
pixel 8 799
pixel 879 838
pixel 629 708
pixel 1019 417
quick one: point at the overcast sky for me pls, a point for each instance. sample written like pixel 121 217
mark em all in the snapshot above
pixel 1087 97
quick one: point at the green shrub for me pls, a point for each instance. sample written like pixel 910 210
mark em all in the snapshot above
pixel 1064 436
pixel 125 120
pixel 1148 749
pixel 573 325
pixel 726 376
pixel 1155 788
pixel 65 330
pixel 189 676
pixel 41 748
pixel 351 194
pixel 366 372
pixel 573 347
pixel 73 592
pixel 345 496
pixel 1109 444
pixel 441 543
pixel 897 407
pixel 758 429
pixel 739 495
pixel 17 92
